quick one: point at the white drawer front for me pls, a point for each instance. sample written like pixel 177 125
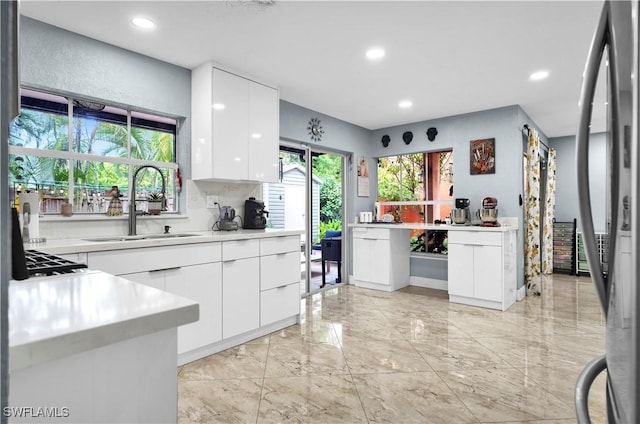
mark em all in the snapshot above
pixel 279 303
pixel 273 245
pixel 278 270
pixel 371 233
pixel 127 261
pixel 239 249
pixel 484 238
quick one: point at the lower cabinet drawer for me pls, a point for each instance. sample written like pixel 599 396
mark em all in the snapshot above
pixel 279 303
pixel 275 245
pixel 485 238
pixel 278 270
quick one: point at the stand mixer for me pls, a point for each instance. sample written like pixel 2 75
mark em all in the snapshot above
pixel 489 212
pixel 461 215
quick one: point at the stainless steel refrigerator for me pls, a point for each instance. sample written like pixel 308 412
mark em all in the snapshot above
pixel 9 106
pixel 616 43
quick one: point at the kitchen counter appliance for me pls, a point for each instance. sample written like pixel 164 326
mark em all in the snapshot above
pixel 226 221
pixel 489 212
pixel 254 214
pixel 460 215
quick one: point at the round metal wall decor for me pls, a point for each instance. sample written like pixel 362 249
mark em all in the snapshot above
pixel 315 129
pixel 407 137
pixel 385 140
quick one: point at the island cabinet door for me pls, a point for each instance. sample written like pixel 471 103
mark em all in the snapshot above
pixel 362 259
pixel 371 260
pixel 460 269
pixel 240 296
pixel 372 255
pixel 487 269
pixel 202 283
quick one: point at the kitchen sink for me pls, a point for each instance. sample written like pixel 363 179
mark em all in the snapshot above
pixel 140 237
pixel 168 236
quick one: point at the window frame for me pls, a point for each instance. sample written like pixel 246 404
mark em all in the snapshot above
pixel 425 203
pixel 73 112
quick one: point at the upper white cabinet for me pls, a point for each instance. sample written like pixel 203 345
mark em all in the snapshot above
pixel 235 125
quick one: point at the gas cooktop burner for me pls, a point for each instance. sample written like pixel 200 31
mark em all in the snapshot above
pixel 39 263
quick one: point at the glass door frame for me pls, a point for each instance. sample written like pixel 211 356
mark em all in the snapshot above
pixel 308 154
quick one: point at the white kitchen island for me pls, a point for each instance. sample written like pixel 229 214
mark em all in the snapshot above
pixel 91 347
pixel 481 260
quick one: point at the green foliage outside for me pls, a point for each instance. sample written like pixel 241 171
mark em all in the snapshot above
pixel 329 169
pixel 328 226
pixel 400 177
pixel 49 131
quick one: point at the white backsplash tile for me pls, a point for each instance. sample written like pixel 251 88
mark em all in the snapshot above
pixel 196 218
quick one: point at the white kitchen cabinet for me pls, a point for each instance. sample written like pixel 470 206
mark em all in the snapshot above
pixel 245 288
pixel 235 125
pixel 192 271
pixel 380 258
pixel 202 283
pixel 240 296
pixel 263 133
pixel 240 286
pixel 481 268
pixel 279 278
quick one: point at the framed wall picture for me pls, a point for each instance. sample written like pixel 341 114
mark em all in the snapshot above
pixel 363 177
pixel 483 156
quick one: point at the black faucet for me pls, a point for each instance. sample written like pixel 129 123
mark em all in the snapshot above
pixel 132 202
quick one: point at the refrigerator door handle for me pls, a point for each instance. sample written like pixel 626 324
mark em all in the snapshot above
pixel 587 92
pixel 583 385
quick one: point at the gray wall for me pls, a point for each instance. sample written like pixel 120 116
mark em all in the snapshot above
pixel 456 132
pixel 566 181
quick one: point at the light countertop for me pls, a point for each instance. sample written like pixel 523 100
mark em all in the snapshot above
pixel 54 317
pixel 420 226
pixel 90 244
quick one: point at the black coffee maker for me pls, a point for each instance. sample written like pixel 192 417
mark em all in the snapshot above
pixel 254 214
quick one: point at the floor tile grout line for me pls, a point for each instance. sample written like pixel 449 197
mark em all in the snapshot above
pixel 353 382
pixel 264 372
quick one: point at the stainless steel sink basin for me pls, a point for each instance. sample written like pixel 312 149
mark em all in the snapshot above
pixel 168 236
pixel 140 237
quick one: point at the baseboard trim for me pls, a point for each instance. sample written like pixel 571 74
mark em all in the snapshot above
pixel 521 293
pixel 429 283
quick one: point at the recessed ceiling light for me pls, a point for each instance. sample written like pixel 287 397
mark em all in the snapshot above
pixel 143 23
pixel 375 53
pixel 404 104
pixel 218 106
pixel 539 75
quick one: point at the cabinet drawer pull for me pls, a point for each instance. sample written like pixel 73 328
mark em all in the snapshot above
pixel 165 269
pixel 281 287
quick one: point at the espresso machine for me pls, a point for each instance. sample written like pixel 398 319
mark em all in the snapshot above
pixel 254 214
pixel 460 215
pixel 489 212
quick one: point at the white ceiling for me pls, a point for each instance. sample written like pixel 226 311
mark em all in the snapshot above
pixel 448 57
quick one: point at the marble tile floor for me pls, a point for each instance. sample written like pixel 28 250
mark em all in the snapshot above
pixel 410 356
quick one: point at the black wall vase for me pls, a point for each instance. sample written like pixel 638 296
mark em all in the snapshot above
pixel 407 137
pixel 385 140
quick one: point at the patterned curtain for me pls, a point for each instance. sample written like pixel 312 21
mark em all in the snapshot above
pixel 549 213
pixel 532 215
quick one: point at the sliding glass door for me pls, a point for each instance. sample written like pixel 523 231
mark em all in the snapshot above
pixel 309 197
